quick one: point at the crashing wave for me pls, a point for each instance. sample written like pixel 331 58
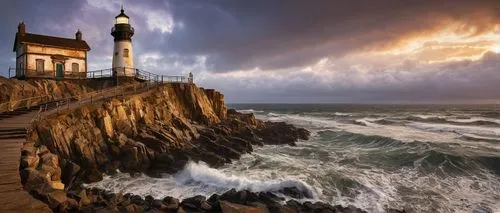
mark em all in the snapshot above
pixel 195 179
pixel 203 176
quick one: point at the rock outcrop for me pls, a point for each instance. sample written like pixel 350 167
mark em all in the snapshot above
pixel 13 90
pixel 230 202
pixel 153 132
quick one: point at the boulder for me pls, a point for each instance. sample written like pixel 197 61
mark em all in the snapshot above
pixel 193 202
pixel 56 199
pixel 29 161
pixel 28 149
pixel 69 172
pixel 57 185
pixel 171 203
pixel 293 192
pixel 238 208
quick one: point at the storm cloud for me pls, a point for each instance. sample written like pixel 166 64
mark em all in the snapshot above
pixel 293 51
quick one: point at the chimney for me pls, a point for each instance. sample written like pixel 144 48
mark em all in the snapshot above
pixel 78 35
pixel 21 28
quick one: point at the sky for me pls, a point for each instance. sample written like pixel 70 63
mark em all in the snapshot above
pixel 291 51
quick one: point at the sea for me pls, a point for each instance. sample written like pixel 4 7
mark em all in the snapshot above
pixel 421 158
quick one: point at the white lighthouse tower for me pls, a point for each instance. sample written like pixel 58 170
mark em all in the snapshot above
pixel 123 57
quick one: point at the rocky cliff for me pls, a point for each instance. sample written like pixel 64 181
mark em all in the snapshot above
pixel 153 132
pixel 13 89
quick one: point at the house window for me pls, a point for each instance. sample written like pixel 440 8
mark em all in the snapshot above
pixel 75 67
pixel 125 53
pixel 40 64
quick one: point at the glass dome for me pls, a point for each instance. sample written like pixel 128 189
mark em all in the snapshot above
pixel 121 18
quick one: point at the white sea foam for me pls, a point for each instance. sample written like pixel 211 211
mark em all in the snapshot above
pixel 342 114
pixel 473 119
pixel 195 179
pixel 478 130
pixel 250 111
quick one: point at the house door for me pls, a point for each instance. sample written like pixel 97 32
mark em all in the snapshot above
pixel 59 71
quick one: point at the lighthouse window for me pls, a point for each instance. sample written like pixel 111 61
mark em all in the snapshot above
pixel 125 52
pixel 122 20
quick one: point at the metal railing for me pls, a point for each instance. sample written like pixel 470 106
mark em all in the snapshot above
pixel 113 29
pixel 89 98
pixel 103 73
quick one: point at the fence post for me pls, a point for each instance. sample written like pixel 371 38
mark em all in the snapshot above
pixel 9 71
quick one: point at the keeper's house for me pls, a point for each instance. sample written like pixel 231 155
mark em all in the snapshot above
pixel 41 56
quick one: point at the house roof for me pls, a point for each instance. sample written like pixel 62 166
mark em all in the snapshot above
pixel 50 41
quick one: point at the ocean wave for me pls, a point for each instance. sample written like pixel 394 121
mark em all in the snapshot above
pixel 195 179
pixel 250 111
pixel 342 114
pixel 464 122
pixel 274 115
pixel 202 175
pixel 491 114
pixel 389 153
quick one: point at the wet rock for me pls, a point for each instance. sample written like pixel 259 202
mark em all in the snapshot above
pixel 398 211
pixel 214 201
pixel 56 199
pixel 293 192
pixel 193 202
pixel 136 199
pixel 171 203
pixel 234 207
pixel 158 204
pixel 91 175
pixel 80 196
pixel 69 172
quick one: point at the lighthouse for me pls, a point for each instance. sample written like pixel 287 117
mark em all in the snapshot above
pixel 123 60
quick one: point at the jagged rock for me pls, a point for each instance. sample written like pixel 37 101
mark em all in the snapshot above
pixel 56 199
pixel 69 172
pixel 81 197
pixel 293 192
pixel 57 185
pixel 238 208
pixel 29 161
pixel 194 202
pixel 42 150
pixel 172 203
pixel 33 177
pixel 28 149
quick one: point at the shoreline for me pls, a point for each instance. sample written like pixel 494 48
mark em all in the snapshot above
pixel 152 133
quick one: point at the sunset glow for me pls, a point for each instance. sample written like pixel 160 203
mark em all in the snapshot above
pixel 496 48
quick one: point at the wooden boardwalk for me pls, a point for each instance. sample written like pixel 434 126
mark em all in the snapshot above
pixel 13 198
